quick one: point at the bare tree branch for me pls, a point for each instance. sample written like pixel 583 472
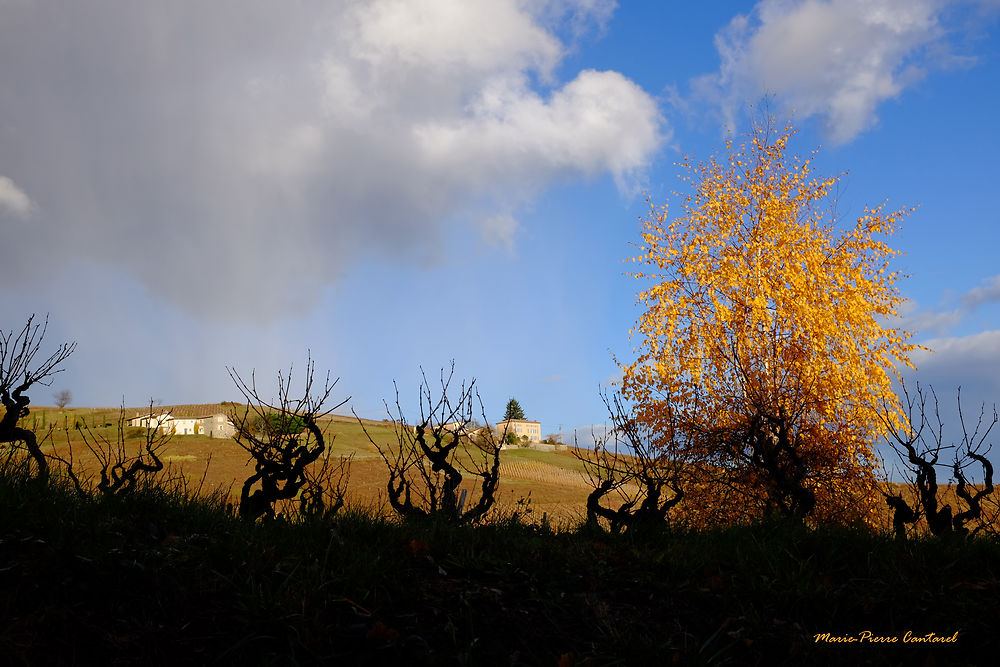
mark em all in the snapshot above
pixel 919 445
pixel 18 373
pixel 284 439
pixel 646 481
pixel 427 462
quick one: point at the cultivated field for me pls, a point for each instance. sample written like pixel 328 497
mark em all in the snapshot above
pixel 538 485
pixel 535 484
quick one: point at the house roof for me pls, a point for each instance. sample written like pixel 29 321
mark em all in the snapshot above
pixel 169 416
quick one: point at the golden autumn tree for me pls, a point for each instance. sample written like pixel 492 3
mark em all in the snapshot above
pixel 764 346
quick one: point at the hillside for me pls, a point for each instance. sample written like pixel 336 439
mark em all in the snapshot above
pixel 549 484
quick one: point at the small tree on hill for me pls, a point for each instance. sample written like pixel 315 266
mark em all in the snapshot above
pixel 513 410
pixel 285 424
pixel 18 373
pixel 63 398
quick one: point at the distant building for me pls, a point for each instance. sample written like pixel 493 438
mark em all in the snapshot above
pixel 150 420
pixel 466 428
pixel 521 428
pixel 478 433
pixel 218 426
pixel 185 425
pixel 214 426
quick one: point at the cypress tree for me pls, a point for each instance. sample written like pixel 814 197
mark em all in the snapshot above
pixel 514 410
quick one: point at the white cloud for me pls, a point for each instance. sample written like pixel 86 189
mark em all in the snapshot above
pixel 938 323
pixel 600 121
pixel 836 59
pixel 951 313
pixel 983 345
pixel 588 435
pixel 581 16
pixel 452 36
pixel 972 362
pixel 499 230
pixel 228 154
pixel 988 292
pixel 14 199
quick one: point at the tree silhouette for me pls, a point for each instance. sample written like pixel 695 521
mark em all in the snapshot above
pixel 289 462
pixel 919 443
pixel 18 373
pixel 427 462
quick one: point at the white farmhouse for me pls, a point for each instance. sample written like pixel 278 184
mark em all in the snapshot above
pixel 185 425
pixel 214 426
pixel 150 420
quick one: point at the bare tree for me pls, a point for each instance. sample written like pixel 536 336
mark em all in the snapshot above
pixel 325 486
pixel 63 398
pixel 427 463
pixel 18 373
pixel 919 444
pixel 122 465
pixel 641 473
pixel 285 440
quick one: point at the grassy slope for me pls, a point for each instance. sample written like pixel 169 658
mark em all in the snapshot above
pixel 537 484
pixel 550 482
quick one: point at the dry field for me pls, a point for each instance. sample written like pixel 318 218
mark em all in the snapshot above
pixel 535 484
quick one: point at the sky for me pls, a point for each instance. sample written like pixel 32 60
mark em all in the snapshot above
pixel 389 186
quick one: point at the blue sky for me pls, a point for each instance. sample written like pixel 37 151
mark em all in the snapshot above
pixel 186 186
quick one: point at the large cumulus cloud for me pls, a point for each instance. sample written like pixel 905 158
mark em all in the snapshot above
pixel 229 153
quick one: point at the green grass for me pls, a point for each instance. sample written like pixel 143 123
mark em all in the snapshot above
pixel 562 459
pixel 161 577
pixel 346 438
